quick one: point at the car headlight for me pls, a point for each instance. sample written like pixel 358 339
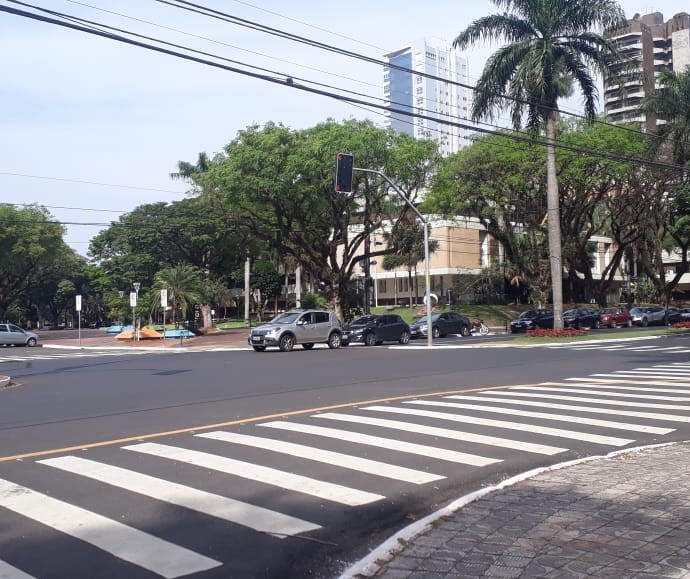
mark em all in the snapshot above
pixel 272 332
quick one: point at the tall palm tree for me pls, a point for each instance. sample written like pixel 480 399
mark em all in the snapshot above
pixel 671 103
pixel 548 42
pixel 183 283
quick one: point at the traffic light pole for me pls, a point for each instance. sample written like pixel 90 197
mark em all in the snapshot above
pixel 427 276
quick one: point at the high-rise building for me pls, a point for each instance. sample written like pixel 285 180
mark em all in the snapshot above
pixel 420 103
pixel 653 45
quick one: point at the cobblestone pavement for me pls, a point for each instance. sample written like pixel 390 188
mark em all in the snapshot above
pixel 624 516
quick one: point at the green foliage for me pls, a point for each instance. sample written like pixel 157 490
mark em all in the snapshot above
pixel 183 283
pixel 310 300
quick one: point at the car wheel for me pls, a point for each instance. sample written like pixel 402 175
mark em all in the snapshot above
pixel 335 340
pixel 31 342
pixel 596 325
pixel 613 324
pixel 287 343
pixel 307 346
pixel 404 337
pixel 259 348
pixel 370 339
pixel 465 331
pixel 644 323
pixel 629 324
pixel 435 332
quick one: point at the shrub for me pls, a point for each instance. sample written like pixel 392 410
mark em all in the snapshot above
pixel 565 333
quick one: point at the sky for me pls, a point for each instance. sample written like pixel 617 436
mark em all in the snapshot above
pixel 92 128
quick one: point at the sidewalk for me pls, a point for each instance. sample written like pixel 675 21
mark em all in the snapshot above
pixel 626 515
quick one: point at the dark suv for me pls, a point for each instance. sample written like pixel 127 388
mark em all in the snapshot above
pixel 305 327
pixel 375 329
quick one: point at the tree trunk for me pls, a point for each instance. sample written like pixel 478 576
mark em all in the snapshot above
pixel 409 280
pixel 206 316
pixel 554 222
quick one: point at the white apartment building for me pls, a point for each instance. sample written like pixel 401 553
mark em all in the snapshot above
pixel 420 81
pixel 654 45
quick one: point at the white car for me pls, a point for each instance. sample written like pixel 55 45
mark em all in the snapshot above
pixel 11 335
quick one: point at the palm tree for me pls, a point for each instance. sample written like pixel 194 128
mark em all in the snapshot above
pixel 548 42
pixel 671 103
pixel 183 283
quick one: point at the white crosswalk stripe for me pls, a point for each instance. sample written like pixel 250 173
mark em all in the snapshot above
pixel 388 443
pixel 287 480
pixel 7 571
pixel 444 433
pixel 589 409
pixel 601 401
pixel 544 415
pixel 521 426
pixel 357 463
pixel 121 540
pixel 75 354
pixel 561 387
pixel 257 518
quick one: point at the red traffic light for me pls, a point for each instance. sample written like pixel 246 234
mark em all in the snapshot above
pixel 343 172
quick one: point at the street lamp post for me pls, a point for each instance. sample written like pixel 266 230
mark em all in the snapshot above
pixel 136 286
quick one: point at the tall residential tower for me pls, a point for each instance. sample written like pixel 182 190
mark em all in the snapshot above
pixel 431 90
pixel 653 45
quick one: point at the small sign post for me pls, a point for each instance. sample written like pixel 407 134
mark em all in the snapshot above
pixel 164 306
pixel 78 308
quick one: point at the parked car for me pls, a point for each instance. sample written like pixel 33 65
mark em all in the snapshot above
pixel 11 335
pixel 614 317
pixel 577 318
pixel 685 314
pixel 655 315
pixel 375 329
pixel 442 324
pixel 305 327
pixel 532 319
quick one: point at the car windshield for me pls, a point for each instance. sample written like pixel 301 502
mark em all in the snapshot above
pixel 422 319
pixel 364 321
pixel 528 315
pixel 636 311
pixel 570 313
pixel 609 311
pixel 286 318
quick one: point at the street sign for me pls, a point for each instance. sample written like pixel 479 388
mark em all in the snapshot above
pixel 164 298
pixel 133 299
pixel 78 306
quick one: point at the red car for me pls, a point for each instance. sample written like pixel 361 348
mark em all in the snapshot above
pixel 614 317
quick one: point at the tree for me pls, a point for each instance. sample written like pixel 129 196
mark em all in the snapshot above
pixel 265 283
pixel 407 242
pixel 549 41
pixel 183 283
pixel 30 244
pixel 670 103
pixel 279 183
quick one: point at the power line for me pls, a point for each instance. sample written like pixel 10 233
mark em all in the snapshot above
pixel 343 98
pixel 100 184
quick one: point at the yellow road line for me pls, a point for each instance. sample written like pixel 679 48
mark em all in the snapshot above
pixel 240 421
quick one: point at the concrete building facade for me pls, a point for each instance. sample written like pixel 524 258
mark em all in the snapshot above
pixel 420 81
pixel 654 45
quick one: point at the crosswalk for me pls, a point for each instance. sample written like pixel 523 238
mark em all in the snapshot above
pixel 290 477
pixel 33 354
pixel 615 345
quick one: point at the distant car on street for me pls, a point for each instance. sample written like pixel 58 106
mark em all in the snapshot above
pixel 655 315
pixel 11 335
pixel 577 318
pixel 531 320
pixel 373 330
pixel 305 327
pixel 442 324
pixel 614 317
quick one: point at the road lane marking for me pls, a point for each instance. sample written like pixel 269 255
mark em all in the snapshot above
pixel 545 415
pixel 560 387
pixel 445 433
pixel 635 379
pixel 7 571
pixel 542 404
pixel 122 541
pixel 356 463
pixel 271 476
pixel 257 518
pixel 521 426
pixel 387 443
pixel 637 388
pixel 592 400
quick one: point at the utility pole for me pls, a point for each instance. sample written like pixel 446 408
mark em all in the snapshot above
pixel 367 261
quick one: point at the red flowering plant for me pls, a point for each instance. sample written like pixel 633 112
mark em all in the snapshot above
pixel 682 325
pixel 565 333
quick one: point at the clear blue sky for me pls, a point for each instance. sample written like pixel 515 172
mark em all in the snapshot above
pixel 76 107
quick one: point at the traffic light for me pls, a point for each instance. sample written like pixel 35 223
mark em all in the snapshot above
pixel 343 172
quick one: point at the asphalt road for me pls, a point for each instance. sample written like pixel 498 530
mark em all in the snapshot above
pixel 92 439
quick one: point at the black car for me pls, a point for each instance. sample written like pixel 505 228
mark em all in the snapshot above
pixel 374 329
pixel 441 325
pixel 577 318
pixel 531 320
